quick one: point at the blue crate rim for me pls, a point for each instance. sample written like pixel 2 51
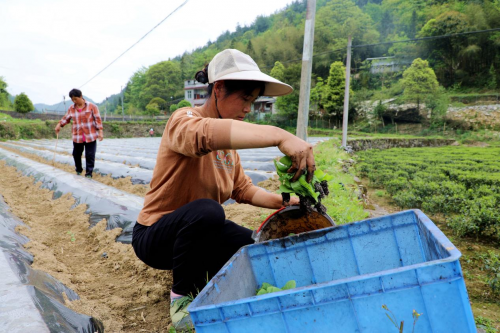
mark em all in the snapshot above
pixel 455 254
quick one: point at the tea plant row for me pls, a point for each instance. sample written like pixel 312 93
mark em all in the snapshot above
pixel 460 182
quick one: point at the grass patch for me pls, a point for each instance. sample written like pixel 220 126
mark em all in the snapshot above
pixel 342 204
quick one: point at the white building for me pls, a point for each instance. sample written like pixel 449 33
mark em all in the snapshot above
pixel 196 94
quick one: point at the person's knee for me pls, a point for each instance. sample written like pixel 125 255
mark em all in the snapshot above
pixel 211 211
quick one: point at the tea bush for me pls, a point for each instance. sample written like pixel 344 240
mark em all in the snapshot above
pixel 461 182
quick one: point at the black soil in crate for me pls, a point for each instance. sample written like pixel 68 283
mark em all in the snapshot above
pixel 291 220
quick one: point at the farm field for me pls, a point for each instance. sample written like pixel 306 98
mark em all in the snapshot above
pixel 57 208
pixel 117 288
pixel 459 188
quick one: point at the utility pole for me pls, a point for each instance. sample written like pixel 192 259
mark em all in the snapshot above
pixel 123 114
pixel 64 102
pixel 305 76
pixel 346 92
pixel 106 109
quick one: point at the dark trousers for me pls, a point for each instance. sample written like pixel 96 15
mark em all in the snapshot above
pixel 195 241
pixel 90 148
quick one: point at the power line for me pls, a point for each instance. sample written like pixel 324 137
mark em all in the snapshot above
pixel 181 5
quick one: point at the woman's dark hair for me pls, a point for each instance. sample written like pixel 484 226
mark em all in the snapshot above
pixel 231 86
pixel 75 93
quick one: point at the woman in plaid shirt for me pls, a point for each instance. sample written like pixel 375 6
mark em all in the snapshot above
pixel 87 128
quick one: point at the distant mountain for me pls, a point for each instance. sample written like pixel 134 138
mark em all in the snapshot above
pixel 59 107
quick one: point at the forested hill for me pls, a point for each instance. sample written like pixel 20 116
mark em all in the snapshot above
pixel 467 61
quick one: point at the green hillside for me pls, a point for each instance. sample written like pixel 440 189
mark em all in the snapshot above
pixel 460 63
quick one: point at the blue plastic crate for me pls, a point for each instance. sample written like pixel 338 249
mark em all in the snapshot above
pixel 344 275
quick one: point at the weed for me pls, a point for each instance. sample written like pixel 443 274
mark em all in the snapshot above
pixel 72 234
pixel 491 262
pixel 379 193
pixel 485 324
pixel 395 322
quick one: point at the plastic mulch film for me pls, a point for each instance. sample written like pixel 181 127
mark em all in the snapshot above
pixel 31 300
pixel 116 170
pixel 119 208
pixel 116 156
pixel 257 163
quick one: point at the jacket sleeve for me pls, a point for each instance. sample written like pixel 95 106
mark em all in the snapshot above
pixel 97 117
pixel 191 135
pixel 66 119
pixel 243 189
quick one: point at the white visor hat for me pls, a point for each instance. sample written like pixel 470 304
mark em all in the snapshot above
pixel 232 64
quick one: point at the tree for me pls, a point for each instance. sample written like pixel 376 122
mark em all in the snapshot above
pixel 445 53
pixel 173 107
pixel 162 80
pixel 152 109
pixel 134 88
pixel 23 104
pixel 418 81
pixel 278 71
pixel 288 105
pixel 316 99
pixel 492 78
pixel 333 95
pixel 160 102
pixel 183 104
pixel 4 95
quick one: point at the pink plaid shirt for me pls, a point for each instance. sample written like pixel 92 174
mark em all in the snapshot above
pixel 85 123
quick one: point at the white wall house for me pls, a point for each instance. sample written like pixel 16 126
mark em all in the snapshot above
pixel 196 94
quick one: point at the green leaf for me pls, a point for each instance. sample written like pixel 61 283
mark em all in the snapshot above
pixel 289 285
pixel 280 166
pixel 319 174
pixel 261 291
pixel 285 189
pixel 308 187
pixel 272 289
pixel 286 161
pixel 327 177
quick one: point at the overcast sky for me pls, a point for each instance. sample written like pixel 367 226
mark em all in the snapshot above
pixel 48 47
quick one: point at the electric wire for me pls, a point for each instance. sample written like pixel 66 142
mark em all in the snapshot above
pixel 140 39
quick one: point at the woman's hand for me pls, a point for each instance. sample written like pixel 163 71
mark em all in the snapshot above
pixel 294 201
pixel 58 128
pixel 301 154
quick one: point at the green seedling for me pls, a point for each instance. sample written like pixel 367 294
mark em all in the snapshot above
pixel 72 234
pixel 300 187
pixel 268 288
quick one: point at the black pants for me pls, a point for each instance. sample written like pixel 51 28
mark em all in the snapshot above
pixel 195 241
pixel 90 148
